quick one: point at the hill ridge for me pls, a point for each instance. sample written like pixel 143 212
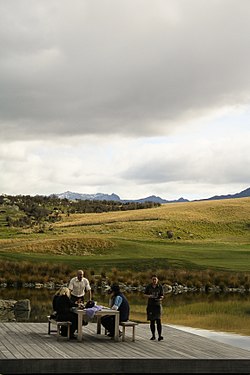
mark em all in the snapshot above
pixel 152 198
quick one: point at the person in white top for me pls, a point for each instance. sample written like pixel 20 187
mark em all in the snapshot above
pixel 78 287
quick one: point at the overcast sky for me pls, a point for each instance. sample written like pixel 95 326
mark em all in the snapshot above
pixel 133 97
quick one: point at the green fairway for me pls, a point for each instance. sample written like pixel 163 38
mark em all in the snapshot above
pixel 141 254
pixel 206 235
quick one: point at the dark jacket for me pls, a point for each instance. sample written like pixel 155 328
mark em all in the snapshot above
pixel 63 305
pixel 156 291
pixel 54 302
pixel 123 308
pixel 154 308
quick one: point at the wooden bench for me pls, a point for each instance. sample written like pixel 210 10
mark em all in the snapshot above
pixel 58 325
pixel 128 323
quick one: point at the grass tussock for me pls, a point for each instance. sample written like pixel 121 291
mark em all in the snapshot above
pixel 63 246
pixel 223 316
pixel 42 272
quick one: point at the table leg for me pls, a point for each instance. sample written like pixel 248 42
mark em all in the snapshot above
pixel 79 330
pixel 116 335
pixel 98 325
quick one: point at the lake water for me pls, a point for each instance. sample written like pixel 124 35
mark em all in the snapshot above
pixel 41 299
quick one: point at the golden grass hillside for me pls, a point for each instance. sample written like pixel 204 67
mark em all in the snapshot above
pixel 222 220
pixel 200 222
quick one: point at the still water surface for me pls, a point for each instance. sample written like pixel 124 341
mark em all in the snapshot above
pixel 41 300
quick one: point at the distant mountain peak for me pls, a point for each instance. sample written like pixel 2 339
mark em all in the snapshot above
pixel 112 197
pixel 98 196
pixel 152 198
pixel 243 194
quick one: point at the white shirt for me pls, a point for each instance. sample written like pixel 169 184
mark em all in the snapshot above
pixel 77 287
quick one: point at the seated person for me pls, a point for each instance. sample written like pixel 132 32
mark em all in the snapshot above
pixel 63 307
pixel 118 302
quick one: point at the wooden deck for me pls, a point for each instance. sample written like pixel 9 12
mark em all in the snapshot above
pixel 26 348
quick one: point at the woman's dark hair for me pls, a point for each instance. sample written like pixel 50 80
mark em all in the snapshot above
pixel 115 288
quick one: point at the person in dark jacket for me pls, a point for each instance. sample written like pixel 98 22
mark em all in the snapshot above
pixel 155 294
pixel 55 298
pixel 63 306
pixel 118 302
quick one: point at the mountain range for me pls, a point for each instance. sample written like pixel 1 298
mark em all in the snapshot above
pixel 153 198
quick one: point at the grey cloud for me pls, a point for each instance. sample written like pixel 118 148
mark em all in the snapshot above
pixel 217 164
pixel 185 172
pixel 133 68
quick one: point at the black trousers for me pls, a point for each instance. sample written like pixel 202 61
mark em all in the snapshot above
pixel 158 325
pixel 72 317
pixel 108 322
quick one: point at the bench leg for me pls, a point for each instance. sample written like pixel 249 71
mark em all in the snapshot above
pixel 58 332
pixel 123 333
pixel 68 335
pixel 124 329
pixel 49 323
pixel 133 336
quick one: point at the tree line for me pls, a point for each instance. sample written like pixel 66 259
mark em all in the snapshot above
pixel 26 210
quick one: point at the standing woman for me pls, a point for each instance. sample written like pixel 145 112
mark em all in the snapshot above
pixel 154 292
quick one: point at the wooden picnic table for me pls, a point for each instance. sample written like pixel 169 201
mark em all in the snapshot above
pixel 82 315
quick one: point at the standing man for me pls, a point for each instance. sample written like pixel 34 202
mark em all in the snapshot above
pixel 154 292
pixel 78 287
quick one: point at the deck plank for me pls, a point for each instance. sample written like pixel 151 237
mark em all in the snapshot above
pixel 26 348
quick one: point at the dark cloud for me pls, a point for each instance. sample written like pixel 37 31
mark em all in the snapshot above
pixel 133 68
pixel 124 96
